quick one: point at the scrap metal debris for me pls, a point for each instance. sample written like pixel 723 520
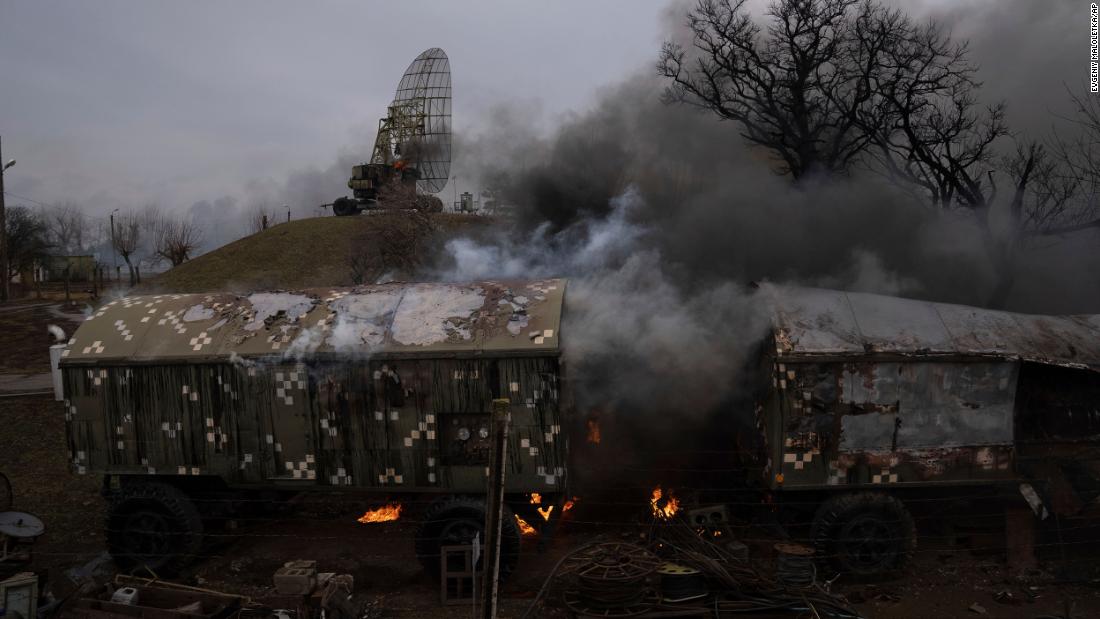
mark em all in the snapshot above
pixel 679 570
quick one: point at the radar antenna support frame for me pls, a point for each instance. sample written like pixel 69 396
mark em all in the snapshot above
pixel 412 148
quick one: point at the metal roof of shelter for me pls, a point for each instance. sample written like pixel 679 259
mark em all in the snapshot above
pixel 818 322
pixel 492 317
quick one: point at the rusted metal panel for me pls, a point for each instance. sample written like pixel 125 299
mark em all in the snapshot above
pixel 816 322
pixel 878 390
pixel 521 317
pixel 894 422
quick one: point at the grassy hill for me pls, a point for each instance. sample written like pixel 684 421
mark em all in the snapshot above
pixel 324 251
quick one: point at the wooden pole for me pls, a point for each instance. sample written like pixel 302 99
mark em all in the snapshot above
pixel 494 515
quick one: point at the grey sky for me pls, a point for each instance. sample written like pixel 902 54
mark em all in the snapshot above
pixel 114 103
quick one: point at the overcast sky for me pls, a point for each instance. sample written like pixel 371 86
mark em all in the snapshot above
pixel 117 103
pixel 114 103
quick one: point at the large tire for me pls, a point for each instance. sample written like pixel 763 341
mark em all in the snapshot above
pixel 454 521
pixel 344 207
pixel 153 524
pixel 866 535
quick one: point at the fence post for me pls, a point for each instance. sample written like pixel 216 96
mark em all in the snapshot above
pixel 494 514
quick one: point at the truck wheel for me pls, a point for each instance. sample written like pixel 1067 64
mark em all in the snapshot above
pixel 153 524
pixel 867 535
pixel 455 521
pixel 343 207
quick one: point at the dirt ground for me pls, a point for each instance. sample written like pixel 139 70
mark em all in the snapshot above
pixel 24 341
pixel 945 579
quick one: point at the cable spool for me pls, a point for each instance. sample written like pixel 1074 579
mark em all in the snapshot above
pixel 611 580
pixel 680 583
pixel 794 565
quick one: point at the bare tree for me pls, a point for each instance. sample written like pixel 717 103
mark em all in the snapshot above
pixel 169 238
pixel 260 218
pixel 927 126
pixel 28 240
pixel 835 83
pixel 798 88
pixel 1079 163
pixel 365 259
pixel 176 240
pixel 394 247
pixel 127 239
pixel 68 227
pixel 933 134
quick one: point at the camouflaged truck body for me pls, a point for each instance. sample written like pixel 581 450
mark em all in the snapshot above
pixel 883 392
pixel 384 386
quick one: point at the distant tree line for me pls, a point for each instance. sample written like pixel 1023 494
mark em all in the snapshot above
pixel 830 86
pixel 147 235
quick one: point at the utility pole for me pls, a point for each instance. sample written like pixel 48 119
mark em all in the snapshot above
pixel 494 514
pixel 114 248
pixel 3 234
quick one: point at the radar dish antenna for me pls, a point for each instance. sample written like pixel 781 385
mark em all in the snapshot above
pixel 413 144
pixel 417 129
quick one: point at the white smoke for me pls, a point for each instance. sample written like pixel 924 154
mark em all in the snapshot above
pixel 632 336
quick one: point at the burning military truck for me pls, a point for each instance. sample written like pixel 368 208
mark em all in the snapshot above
pixel 196 406
pixel 872 404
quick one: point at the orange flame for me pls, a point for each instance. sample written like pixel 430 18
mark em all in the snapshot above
pixel 536 499
pixel 670 507
pixel 385 513
pixel 525 528
pixel 594 431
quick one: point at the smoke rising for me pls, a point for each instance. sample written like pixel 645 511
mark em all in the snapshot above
pixel 628 329
pixel 637 175
pixel 660 216
pixel 667 213
pixel 716 211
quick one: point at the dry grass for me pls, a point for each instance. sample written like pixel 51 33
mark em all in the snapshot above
pixel 306 253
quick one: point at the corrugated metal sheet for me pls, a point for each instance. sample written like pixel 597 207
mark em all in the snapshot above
pixel 817 322
pixel 399 318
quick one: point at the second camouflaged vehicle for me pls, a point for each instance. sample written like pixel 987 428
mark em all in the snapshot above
pixel 195 406
pixel 875 405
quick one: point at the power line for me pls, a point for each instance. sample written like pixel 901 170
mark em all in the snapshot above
pixel 8 193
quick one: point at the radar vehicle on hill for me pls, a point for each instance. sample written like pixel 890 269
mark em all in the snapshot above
pixel 411 159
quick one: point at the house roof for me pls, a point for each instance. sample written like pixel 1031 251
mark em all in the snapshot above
pixel 394 319
pixel 817 322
